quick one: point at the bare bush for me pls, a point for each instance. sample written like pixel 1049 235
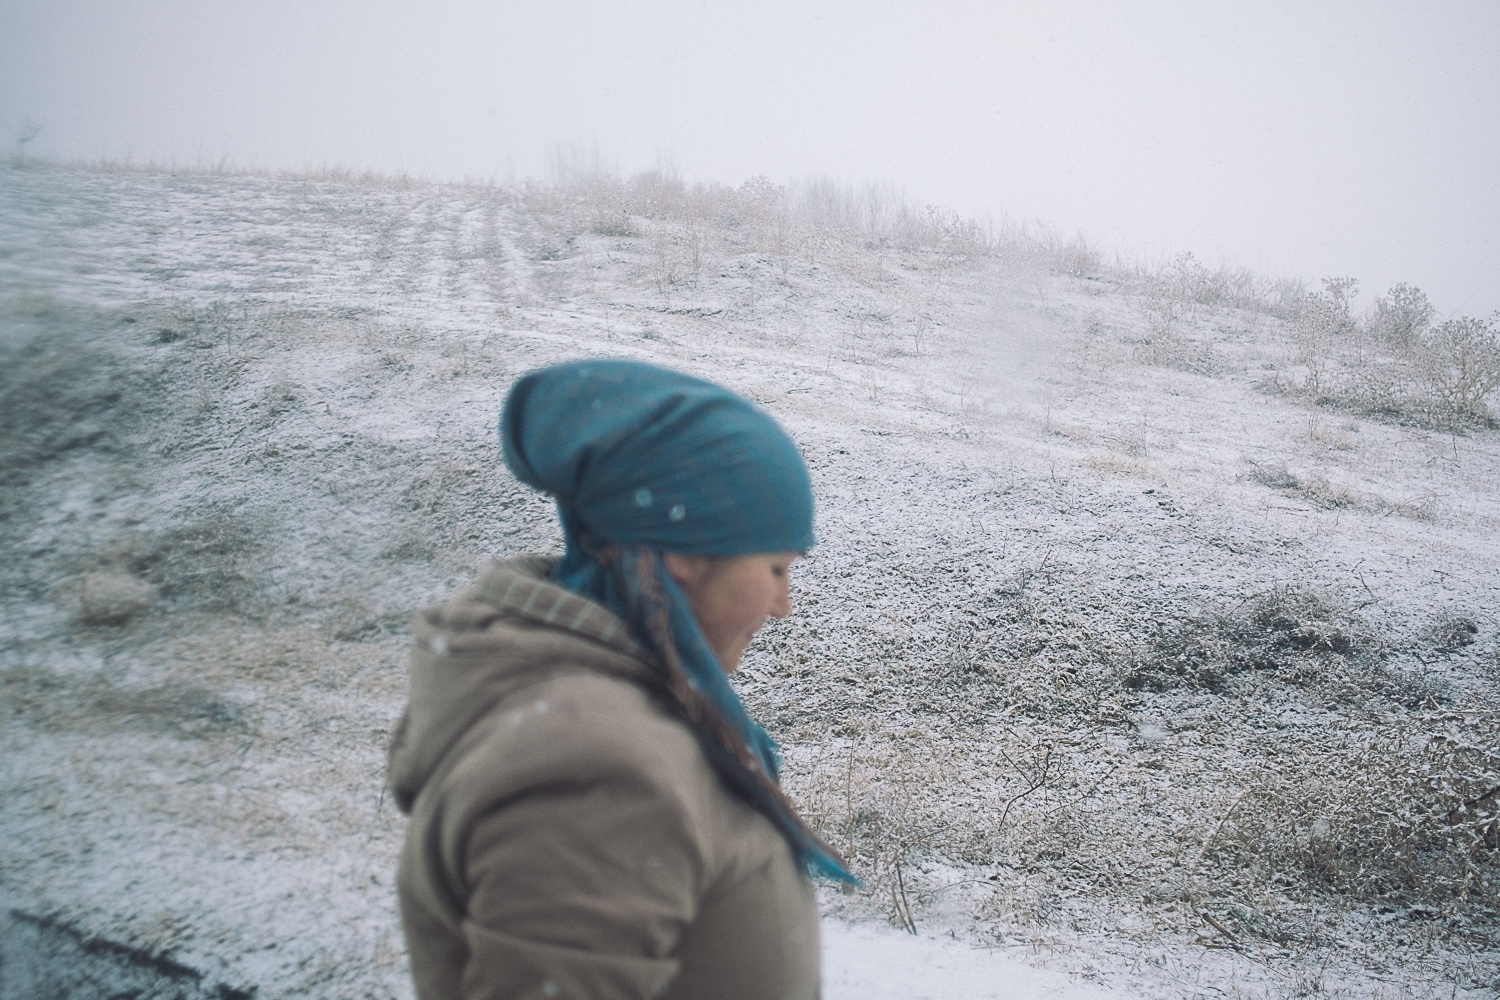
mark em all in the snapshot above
pixel 1460 366
pixel 1277 476
pixel 1401 316
pixel 1163 310
pixel 676 255
pixel 1173 292
pixel 1395 364
pixel 893 803
pixel 1321 325
pixel 1172 299
pixel 1077 257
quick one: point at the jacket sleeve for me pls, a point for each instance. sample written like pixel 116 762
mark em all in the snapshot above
pixel 581 886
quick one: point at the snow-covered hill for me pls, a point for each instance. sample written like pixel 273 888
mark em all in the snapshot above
pixel 1121 655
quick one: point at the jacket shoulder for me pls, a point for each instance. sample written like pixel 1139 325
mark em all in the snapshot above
pixel 576 728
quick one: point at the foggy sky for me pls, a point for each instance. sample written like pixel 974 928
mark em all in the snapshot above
pixel 1355 139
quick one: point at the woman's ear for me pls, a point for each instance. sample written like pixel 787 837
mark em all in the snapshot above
pixel 686 571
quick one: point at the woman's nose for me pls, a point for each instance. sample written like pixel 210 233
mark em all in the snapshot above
pixel 783 605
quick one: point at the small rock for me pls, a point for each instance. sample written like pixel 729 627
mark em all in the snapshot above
pixel 108 598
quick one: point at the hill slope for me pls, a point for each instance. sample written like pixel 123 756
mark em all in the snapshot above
pixel 1118 649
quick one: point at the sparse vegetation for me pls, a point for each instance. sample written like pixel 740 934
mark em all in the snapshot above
pixel 1392 363
pixel 1397 366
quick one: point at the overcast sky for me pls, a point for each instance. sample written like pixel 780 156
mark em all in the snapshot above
pixel 1298 138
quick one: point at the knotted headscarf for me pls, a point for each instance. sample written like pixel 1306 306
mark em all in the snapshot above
pixel 644 460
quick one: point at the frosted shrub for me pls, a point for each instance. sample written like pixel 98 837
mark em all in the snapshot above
pixel 1321 325
pixel 1401 316
pixel 1168 301
pixel 1441 376
pixel 1394 363
pixel 1077 258
pixel 1173 296
pixel 1193 282
pixel 1460 367
pixel 1188 281
pixel 1162 310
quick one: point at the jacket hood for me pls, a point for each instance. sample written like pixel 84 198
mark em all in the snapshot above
pixel 511 629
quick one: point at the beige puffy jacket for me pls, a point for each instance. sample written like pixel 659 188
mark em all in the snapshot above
pixel 567 837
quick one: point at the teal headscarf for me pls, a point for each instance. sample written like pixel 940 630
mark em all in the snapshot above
pixel 644 460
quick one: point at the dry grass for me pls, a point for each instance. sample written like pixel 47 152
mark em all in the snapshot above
pixel 1250 760
pixel 1331 495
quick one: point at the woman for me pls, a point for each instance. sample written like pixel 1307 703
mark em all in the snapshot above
pixel 592 811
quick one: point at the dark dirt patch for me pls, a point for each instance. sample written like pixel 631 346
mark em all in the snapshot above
pixel 43 958
pixel 63 389
pixel 93 703
pixel 1299 636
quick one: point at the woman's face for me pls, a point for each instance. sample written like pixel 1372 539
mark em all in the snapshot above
pixel 732 597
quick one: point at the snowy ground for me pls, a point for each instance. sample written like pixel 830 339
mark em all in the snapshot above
pixel 1120 665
